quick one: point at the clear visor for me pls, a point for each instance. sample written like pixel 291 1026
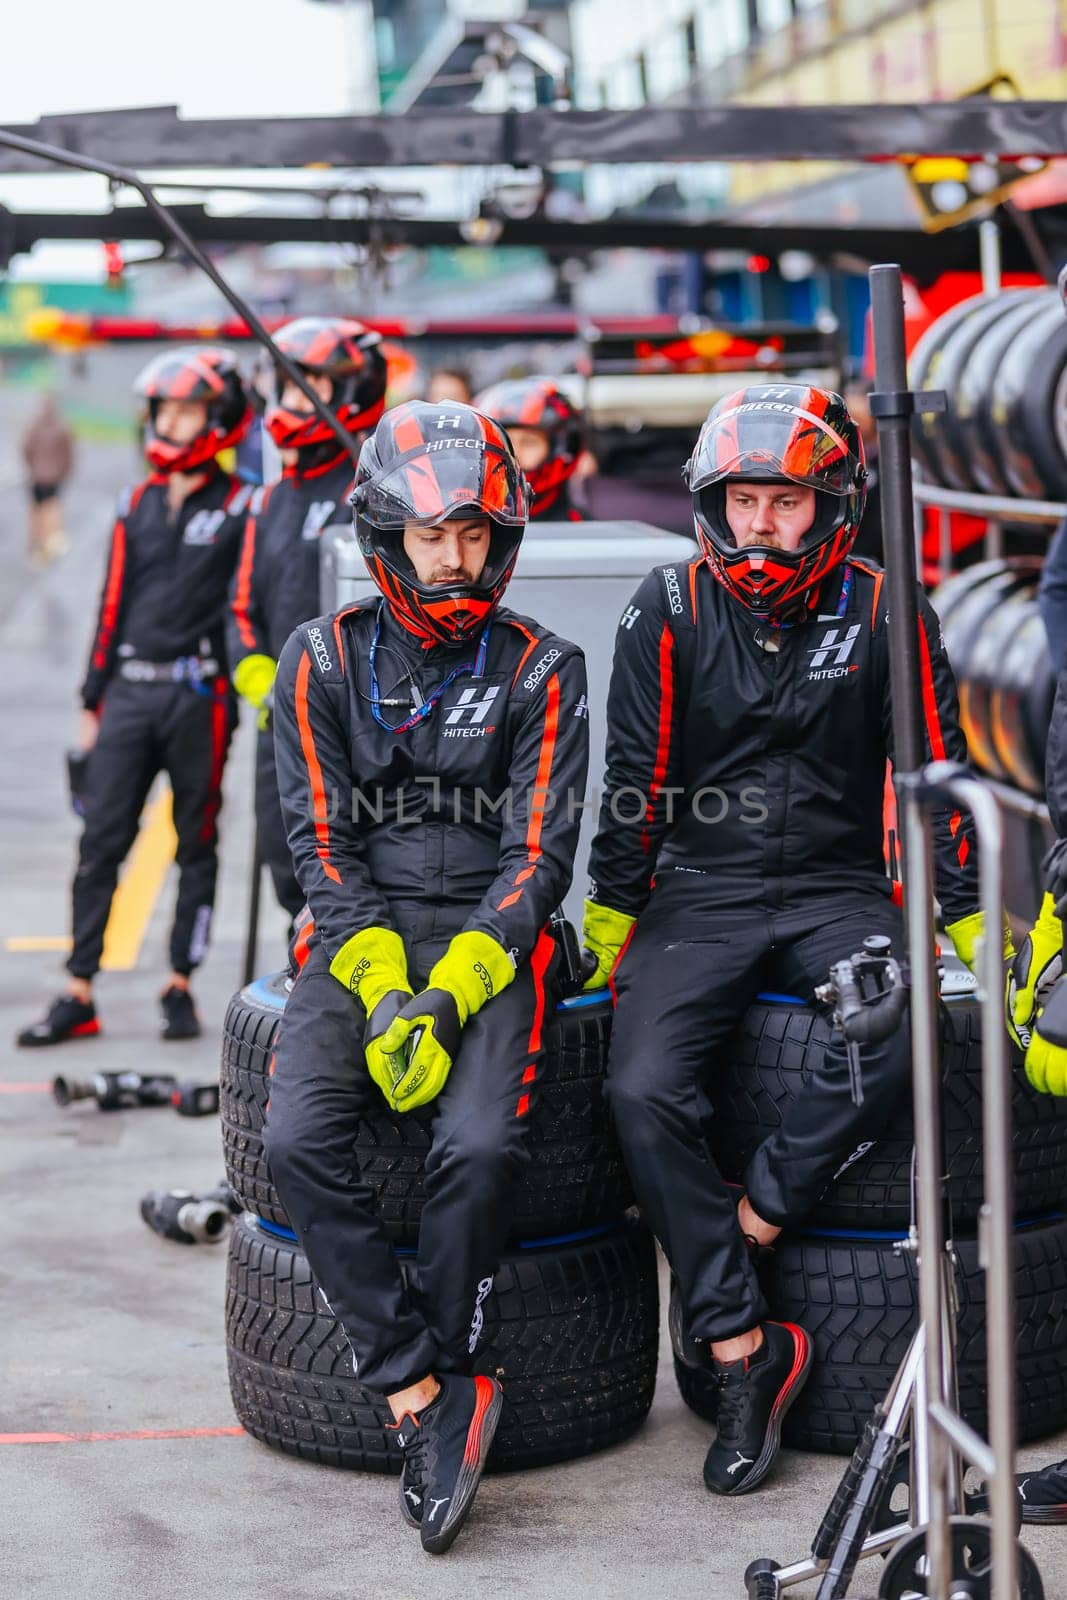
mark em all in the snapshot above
pixel 766 440
pixel 444 478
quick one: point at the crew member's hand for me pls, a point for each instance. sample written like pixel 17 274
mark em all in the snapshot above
pixel 604 932
pixel 1046 1058
pixel 1055 866
pixel 472 970
pixel 1038 965
pixel 967 933
pixel 373 966
pixel 253 678
pixel 386 1066
pixel 88 729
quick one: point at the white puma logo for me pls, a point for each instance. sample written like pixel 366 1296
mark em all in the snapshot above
pixel 742 1461
pixel 416 1499
pixel 435 1503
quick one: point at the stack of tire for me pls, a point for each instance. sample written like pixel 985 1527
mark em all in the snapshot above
pixel 1002 362
pixel 845 1280
pixel 571 1320
pixel 999 651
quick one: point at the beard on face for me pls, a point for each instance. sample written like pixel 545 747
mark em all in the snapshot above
pixel 771 540
pixel 461 575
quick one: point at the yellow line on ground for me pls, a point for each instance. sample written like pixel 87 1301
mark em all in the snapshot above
pixel 32 942
pixel 138 890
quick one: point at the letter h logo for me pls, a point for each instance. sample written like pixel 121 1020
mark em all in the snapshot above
pixel 833 647
pixel 470 707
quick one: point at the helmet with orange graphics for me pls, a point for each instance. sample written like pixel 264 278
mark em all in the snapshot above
pixel 778 433
pixel 426 464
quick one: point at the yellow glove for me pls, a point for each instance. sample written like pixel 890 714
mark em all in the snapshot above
pixel 1046 1058
pixel 967 933
pixel 373 966
pixel 604 932
pixel 253 678
pixel 427 1029
pixel 1033 973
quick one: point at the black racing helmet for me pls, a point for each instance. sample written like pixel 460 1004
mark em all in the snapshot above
pixel 426 463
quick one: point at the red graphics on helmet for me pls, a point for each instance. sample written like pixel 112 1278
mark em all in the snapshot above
pixel 539 403
pixel 778 433
pixel 424 464
pixel 207 375
pixel 350 355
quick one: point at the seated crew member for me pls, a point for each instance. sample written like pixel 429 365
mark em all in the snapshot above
pixel 749 728
pixel 427 743
pixel 277 581
pixel 156 695
pixel 1037 1021
pixel 546 432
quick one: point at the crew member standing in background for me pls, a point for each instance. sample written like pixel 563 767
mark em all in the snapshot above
pixel 545 430
pixel 157 696
pixel 277 582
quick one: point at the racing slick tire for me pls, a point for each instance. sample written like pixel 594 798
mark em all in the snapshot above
pixel 964 611
pixel 858 1298
pixel 1020 711
pixel 574 1179
pixel 988 656
pixel 1029 406
pixel 923 373
pixel 571 1330
pixel 770 1063
pixel 955 353
pixel 980 436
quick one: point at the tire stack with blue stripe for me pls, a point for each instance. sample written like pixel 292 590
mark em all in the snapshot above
pixel 570 1323
pixel 843 1276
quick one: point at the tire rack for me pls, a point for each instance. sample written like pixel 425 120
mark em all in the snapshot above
pixel 996 511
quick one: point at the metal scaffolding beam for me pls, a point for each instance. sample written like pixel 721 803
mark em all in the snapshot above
pixel 157 137
pixel 923 256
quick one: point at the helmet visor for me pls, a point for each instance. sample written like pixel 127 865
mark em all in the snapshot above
pixel 444 478
pixel 767 439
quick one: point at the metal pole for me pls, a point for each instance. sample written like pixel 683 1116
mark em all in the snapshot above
pixel 995 1224
pixel 989 255
pixel 892 409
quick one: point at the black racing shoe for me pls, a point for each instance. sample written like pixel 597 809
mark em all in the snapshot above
pixel 413 1472
pixel 180 1020
pixel 754 1395
pixel 448 1453
pixel 1042 1495
pixel 66 1018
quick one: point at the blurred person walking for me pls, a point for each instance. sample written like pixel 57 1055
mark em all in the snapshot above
pixel 48 451
pixel 156 695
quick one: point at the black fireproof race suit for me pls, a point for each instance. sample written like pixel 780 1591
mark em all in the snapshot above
pixel 742 825
pixel 463 822
pixel 157 676
pixel 276 588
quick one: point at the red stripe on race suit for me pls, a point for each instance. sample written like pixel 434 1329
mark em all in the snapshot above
pixel 663 736
pixel 314 769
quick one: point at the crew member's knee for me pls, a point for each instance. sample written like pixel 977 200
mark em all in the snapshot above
pixel 485 1153
pixel 288 1137
pixel 634 1106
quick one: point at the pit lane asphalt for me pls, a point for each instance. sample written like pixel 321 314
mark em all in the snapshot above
pixel 108 1329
